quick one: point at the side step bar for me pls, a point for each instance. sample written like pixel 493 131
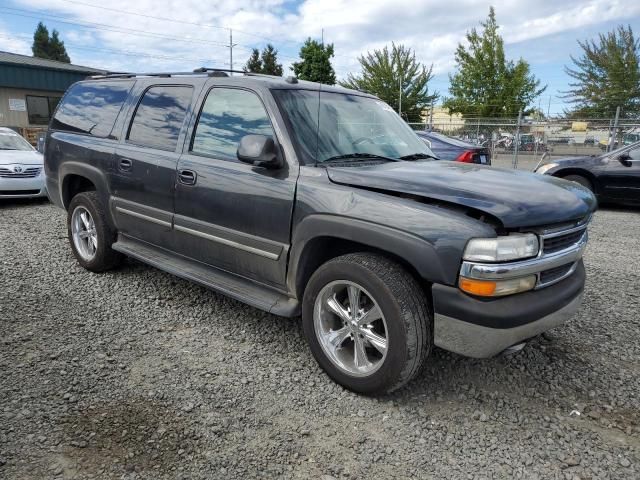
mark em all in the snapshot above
pixel 236 287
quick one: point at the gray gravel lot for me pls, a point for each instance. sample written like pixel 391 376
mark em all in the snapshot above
pixel 137 374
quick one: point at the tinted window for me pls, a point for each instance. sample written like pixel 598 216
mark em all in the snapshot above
pixel 91 107
pixel 227 116
pixel 159 117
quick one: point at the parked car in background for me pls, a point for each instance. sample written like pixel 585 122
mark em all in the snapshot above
pixel 21 167
pixel 305 199
pixel 613 177
pixel 447 148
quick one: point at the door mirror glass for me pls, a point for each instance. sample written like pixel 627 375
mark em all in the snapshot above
pixel 259 150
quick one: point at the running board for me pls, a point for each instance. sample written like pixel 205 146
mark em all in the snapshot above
pixel 236 287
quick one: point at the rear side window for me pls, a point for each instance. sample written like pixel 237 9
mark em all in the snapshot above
pixel 228 115
pixel 91 108
pixel 159 117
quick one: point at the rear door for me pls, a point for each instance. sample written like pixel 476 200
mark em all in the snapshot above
pixel 229 214
pixel 144 175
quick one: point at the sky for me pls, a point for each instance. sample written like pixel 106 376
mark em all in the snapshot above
pixel 180 35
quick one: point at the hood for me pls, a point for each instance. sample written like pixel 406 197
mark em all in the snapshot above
pixel 20 157
pixel 517 199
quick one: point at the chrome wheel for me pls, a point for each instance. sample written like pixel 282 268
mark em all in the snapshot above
pixel 83 231
pixel 350 328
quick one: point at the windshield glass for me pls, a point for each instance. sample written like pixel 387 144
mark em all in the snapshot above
pixel 12 141
pixel 326 125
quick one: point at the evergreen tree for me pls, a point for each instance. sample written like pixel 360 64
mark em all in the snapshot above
pixel 385 72
pixel 485 83
pixel 49 47
pixel 270 65
pixel 315 63
pixel 40 46
pixel 254 64
pixel 606 75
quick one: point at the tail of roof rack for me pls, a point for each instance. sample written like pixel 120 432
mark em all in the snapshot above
pixel 211 72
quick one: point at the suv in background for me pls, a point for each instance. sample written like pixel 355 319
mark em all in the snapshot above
pixel 305 199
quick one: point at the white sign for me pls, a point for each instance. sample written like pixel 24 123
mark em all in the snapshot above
pixel 17 105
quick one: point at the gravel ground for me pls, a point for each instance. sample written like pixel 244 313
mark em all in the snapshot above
pixel 135 374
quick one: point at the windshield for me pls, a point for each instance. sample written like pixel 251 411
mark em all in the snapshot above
pixel 11 141
pixel 328 125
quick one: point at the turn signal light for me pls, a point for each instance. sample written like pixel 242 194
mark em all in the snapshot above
pixel 496 288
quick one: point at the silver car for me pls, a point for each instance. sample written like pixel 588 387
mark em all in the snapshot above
pixel 21 167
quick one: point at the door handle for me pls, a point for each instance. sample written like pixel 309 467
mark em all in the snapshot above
pixel 125 164
pixel 187 177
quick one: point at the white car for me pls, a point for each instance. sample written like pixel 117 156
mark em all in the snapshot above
pixel 21 167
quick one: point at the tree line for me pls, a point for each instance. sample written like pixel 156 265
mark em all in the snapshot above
pixel 606 74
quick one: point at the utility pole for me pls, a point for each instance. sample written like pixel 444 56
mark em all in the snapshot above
pixel 231 45
pixel 516 146
pixel 322 38
pixel 431 117
pixel 614 132
pixel 400 98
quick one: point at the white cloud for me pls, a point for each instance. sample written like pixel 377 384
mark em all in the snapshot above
pixel 432 28
pixel 12 43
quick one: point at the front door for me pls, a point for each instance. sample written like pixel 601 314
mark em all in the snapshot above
pixel 621 180
pixel 145 164
pixel 229 214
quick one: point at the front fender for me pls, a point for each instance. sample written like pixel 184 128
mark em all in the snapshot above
pixel 420 254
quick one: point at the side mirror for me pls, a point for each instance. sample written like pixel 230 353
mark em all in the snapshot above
pixel 259 150
pixel 625 159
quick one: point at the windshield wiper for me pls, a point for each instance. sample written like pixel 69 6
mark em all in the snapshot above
pixel 358 156
pixel 418 156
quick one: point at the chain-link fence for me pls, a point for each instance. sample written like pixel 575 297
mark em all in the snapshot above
pixel 522 144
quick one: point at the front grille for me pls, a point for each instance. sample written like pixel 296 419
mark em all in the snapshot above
pixel 553 274
pixel 19 192
pixel 556 244
pixel 29 172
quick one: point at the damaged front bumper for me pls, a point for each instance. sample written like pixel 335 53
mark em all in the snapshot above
pixel 484 327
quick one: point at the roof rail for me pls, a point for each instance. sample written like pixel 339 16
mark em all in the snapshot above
pixel 211 72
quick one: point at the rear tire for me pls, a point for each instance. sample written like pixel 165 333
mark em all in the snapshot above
pixel 395 345
pixel 585 182
pixel 90 234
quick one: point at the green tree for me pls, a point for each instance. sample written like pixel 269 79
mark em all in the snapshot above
pixel 254 64
pixel 485 83
pixel 265 63
pixel 49 47
pixel 387 72
pixel 315 63
pixel 606 75
pixel 270 65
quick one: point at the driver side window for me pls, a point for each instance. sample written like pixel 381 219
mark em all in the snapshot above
pixel 228 115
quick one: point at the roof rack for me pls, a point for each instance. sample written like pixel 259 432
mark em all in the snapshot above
pixel 211 72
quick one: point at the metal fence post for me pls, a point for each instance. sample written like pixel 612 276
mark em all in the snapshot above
pixel 614 132
pixel 516 147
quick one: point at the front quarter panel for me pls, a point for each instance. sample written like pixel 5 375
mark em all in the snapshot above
pixel 429 237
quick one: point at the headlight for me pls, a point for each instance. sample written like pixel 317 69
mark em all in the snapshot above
pixel 502 249
pixel 545 168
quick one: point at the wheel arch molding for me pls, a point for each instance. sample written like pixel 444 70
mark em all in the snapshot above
pixel 72 170
pixel 319 238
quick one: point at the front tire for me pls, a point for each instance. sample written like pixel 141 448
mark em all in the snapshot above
pixel 368 322
pixel 90 234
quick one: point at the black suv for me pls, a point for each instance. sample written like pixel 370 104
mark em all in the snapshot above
pixel 303 199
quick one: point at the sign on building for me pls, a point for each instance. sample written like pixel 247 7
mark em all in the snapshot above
pixel 17 105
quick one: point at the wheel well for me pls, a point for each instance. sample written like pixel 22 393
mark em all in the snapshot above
pixel 73 185
pixel 322 249
pixel 577 171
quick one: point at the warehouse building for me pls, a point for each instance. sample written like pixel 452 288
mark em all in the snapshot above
pixel 30 89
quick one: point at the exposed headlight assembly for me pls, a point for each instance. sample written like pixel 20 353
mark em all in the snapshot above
pixel 545 168
pixel 502 249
